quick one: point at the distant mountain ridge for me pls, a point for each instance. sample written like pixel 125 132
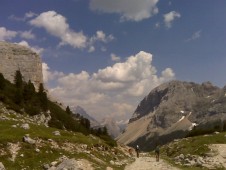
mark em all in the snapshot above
pixel 82 112
pixel 170 110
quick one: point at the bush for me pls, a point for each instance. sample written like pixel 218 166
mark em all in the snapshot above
pixel 32 110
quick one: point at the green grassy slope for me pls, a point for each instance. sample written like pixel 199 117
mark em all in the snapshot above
pixel 51 147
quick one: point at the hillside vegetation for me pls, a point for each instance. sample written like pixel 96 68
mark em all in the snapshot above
pixel 36 132
pixel 197 152
pixel 24 99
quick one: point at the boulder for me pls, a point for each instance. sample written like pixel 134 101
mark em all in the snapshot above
pixel 68 164
pixel 2 166
pixel 27 139
pixel 56 133
pixel 25 126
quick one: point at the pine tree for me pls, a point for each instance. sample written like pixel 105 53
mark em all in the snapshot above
pixel 18 97
pixel 99 131
pixel 29 91
pixel 18 80
pixel 43 97
pixel 41 88
pixel 2 81
pixel 68 110
pixel 105 131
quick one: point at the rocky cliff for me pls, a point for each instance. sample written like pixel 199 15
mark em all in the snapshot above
pixel 172 109
pixel 15 57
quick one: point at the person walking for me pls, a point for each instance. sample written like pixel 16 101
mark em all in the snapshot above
pixel 137 150
pixel 157 152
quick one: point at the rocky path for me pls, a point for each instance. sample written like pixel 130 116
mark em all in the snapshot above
pixel 149 163
pixel 220 157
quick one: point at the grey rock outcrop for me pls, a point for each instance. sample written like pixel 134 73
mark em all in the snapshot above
pixel 15 57
pixel 27 139
pixel 2 166
pixel 172 109
pixel 68 164
pixel 25 126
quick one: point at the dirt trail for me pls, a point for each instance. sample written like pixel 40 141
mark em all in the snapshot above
pixel 149 163
pixel 220 158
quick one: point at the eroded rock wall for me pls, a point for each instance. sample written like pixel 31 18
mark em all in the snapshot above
pixel 15 57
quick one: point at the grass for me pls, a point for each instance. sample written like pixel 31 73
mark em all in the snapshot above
pixel 197 145
pixel 29 158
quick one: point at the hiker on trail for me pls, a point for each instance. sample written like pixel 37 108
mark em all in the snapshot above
pixel 157 150
pixel 137 150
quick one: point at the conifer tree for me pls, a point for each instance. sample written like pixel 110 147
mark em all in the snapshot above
pixel 18 80
pixel 43 97
pixel 105 131
pixel 41 88
pixel 29 91
pixel 68 110
pixel 2 81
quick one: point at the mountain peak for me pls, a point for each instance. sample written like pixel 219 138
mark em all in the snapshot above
pixel 174 106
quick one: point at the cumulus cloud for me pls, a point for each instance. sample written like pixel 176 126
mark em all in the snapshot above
pixel 111 91
pixel 57 25
pixel 50 75
pixel 24 18
pixel 91 49
pixel 115 58
pixel 101 36
pixel 195 36
pixel 27 35
pixel 170 17
pixel 129 10
pixel 6 34
pixel 35 48
pixel 30 14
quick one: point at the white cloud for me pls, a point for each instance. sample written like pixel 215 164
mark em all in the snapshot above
pixel 114 90
pixel 30 15
pixel 24 18
pixel 129 10
pixel 27 35
pixel 157 25
pixel 195 35
pixel 115 58
pixel 101 36
pixel 35 48
pixel 103 49
pixel 57 25
pixel 91 49
pixel 45 72
pixel 170 17
pixel 6 34
pixel 50 75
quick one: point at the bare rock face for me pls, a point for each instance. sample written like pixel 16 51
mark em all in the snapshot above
pixel 15 57
pixel 172 109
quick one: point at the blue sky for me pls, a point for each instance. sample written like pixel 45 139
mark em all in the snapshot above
pixel 107 55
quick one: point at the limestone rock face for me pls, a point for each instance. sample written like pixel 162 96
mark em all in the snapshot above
pixel 15 57
pixel 171 110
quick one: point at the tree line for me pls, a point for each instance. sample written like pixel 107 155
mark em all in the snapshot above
pixel 23 98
